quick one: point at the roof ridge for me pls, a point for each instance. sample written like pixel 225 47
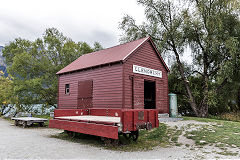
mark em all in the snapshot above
pixel 116 46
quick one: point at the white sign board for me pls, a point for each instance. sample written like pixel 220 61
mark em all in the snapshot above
pixel 147 71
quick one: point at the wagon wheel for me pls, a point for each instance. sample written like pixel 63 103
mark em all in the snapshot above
pixel 71 134
pixel 115 142
pixel 16 123
pixel 127 135
pixel 24 124
pixel 134 135
pixel 41 124
pixel 106 141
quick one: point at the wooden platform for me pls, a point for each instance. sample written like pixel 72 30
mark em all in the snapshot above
pixel 27 121
pixel 89 118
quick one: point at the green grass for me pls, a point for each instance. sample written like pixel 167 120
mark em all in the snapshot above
pixel 223 133
pixel 231 116
pixel 228 153
pixel 173 134
pixel 147 140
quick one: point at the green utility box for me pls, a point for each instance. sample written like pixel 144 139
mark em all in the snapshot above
pixel 173 105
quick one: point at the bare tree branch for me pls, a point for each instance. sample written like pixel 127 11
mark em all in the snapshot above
pixel 198 72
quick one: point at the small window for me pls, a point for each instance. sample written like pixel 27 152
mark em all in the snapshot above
pixel 67 88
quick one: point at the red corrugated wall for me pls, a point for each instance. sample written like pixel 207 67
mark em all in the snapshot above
pixel 145 56
pixel 107 87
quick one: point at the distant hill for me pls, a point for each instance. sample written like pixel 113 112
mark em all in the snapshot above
pixel 1 57
pixel 2 64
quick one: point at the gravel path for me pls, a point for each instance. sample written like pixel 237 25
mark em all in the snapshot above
pixel 35 143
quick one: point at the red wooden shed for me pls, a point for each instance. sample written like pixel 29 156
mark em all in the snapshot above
pixel 131 75
pixel 128 76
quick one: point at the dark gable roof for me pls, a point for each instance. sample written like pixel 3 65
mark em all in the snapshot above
pixel 110 55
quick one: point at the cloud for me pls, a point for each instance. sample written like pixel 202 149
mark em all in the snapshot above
pixel 104 37
pixel 89 21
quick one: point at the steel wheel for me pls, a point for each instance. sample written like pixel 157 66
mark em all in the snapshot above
pixel 134 135
pixel 71 134
pixel 115 142
pixel 127 135
pixel 106 141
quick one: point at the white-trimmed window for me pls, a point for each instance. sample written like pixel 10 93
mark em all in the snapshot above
pixel 67 88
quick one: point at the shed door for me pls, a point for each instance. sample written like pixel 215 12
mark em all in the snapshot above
pixel 149 94
pixel 138 93
pixel 85 90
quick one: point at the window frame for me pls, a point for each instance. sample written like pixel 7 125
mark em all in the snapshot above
pixel 67 89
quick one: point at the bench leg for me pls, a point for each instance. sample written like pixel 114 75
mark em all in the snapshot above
pixel 16 123
pixel 24 124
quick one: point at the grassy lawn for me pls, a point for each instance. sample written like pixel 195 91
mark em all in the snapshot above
pixel 232 116
pixel 219 133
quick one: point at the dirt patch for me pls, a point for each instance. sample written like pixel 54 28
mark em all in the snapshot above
pixel 184 124
pixel 185 141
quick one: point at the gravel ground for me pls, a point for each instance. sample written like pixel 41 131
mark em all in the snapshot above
pixel 35 143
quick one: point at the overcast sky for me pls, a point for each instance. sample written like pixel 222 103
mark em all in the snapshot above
pixel 81 20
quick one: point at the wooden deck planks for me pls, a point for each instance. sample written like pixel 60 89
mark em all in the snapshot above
pixel 92 118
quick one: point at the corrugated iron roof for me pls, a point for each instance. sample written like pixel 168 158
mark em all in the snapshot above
pixel 105 56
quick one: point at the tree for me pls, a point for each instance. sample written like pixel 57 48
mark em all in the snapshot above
pixel 33 65
pixel 97 46
pixel 7 97
pixel 204 26
pixel 209 30
pixel 229 76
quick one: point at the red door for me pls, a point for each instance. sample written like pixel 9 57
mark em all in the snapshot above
pixel 138 93
pixel 85 90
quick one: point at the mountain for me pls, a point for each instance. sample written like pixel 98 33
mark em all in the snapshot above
pixel 1 57
pixel 2 64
